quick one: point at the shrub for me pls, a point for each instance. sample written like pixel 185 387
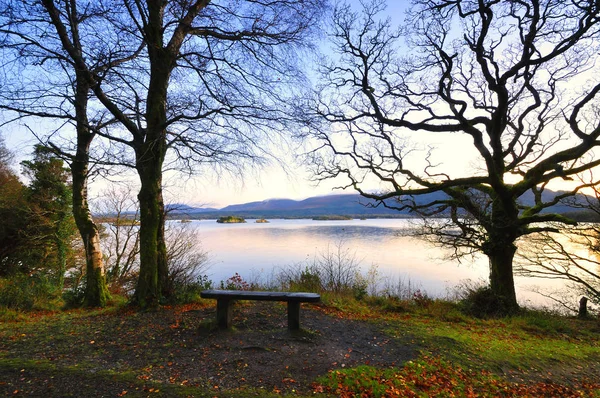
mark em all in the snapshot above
pixel 309 280
pixel 236 282
pixel 421 299
pixel 401 288
pixel 482 302
pixel 360 287
pixel 190 291
pixel 27 292
pixel 75 296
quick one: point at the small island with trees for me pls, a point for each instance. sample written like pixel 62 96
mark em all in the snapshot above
pixel 332 218
pixel 230 220
pixel 261 221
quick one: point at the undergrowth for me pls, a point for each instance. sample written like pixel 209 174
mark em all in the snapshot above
pixel 434 377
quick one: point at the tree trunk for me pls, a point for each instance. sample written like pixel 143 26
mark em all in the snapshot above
pixel 96 291
pixel 501 255
pixel 149 165
pixel 163 266
pixel 500 248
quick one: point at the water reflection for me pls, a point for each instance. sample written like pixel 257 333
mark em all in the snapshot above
pixel 251 248
pixel 258 249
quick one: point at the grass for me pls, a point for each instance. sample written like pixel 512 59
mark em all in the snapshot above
pixel 532 354
pixel 530 348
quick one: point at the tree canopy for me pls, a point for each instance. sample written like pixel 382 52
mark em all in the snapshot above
pixel 215 82
pixel 517 79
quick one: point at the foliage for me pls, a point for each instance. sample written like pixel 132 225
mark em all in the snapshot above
pixel 483 302
pixel 432 376
pixel 307 281
pixel 50 204
pixel 336 270
pixel 463 72
pixel 15 248
pixel 37 229
pixel 189 292
pixel 74 297
pixel 25 292
pixel 236 282
pixel 230 220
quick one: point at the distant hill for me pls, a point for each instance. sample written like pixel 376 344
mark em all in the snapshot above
pixel 179 208
pixel 337 204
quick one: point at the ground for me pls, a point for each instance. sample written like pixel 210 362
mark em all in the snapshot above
pixel 417 348
pixel 175 347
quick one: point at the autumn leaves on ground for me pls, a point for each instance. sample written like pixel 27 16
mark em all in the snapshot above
pixel 373 347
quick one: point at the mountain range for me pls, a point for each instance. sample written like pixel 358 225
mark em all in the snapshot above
pixel 352 205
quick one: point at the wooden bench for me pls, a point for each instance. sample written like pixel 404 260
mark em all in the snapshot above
pixel 225 297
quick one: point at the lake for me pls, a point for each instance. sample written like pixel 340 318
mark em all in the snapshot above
pixel 255 250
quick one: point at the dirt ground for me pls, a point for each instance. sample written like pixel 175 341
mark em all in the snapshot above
pixel 89 356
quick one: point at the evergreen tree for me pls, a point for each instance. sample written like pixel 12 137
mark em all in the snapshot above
pixel 51 221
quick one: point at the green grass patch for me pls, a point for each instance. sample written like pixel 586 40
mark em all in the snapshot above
pixel 434 377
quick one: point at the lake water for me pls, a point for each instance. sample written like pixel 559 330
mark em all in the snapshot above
pixel 255 250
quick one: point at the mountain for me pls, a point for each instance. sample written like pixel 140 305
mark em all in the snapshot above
pixel 269 204
pixel 338 204
pixel 180 208
pixel 341 204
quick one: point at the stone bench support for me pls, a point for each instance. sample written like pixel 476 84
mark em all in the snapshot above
pixel 226 297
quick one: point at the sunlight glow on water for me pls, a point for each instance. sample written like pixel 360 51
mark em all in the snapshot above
pixel 256 250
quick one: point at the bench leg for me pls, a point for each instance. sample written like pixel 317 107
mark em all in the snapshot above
pixel 293 308
pixel 223 313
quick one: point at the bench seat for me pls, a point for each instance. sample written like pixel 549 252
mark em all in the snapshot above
pixel 293 299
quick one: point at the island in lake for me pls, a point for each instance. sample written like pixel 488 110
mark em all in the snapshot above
pixel 332 218
pixel 230 220
pixel 262 221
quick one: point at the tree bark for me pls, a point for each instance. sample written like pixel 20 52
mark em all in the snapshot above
pixel 501 273
pixel 163 266
pixel 150 148
pixel 500 247
pixel 96 291
pixel 149 290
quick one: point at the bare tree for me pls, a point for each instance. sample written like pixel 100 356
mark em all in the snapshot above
pixel 118 213
pixel 119 216
pixel 514 77
pixel 215 81
pixel 572 254
pixel 6 156
pixel 43 80
pixel 212 83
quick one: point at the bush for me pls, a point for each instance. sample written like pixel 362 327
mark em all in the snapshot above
pixel 308 280
pixel 26 292
pixel 74 297
pixel 421 299
pixel 335 271
pixel 483 303
pixel 189 292
pixel 236 282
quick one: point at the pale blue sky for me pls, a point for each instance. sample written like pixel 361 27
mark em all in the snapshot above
pixel 212 190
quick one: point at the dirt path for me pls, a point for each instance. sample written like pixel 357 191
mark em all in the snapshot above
pixel 182 348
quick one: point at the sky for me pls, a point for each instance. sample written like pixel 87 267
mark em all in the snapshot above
pixel 212 190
